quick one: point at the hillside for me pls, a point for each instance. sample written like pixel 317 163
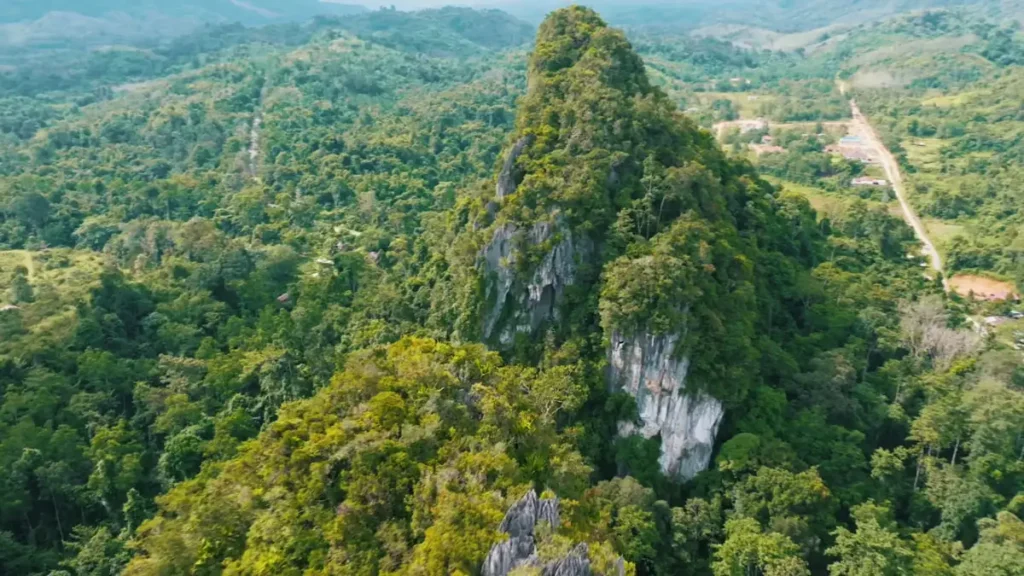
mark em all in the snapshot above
pixel 778 16
pixel 395 294
pixel 90 73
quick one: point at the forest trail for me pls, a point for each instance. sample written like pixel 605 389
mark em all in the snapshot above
pixel 862 128
pixel 30 265
pixel 254 134
pixel 27 260
pixel 254 143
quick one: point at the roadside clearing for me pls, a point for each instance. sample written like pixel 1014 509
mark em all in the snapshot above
pixel 862 128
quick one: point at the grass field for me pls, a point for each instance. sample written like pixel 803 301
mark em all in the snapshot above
pixel 60 279
pixel 11 259
pixel 947 100
pixel 748 104
pixel 942 231
pixel 924 153
pixel 826 204
pixel 820 201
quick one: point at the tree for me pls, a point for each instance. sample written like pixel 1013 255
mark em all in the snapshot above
pixel 749 550
pixel 96 553
pixel 33 209
pixel 20 291
pixel 999 552
pixel 796 505
pixel 695 526
pixel 117 458
pixel 874 549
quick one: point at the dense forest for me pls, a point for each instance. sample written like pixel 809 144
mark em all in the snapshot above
pixel 440 293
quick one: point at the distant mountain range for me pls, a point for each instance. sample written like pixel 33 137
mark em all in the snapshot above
pixel 778 15
pixel 34 23
pixel 66 23
pixel 246 11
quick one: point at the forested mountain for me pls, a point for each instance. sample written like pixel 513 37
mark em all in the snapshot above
pixel 345 297
pixel 50 26
pixel 776 15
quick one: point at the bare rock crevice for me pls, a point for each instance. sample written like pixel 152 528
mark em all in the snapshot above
pixel 648 368
pixel 508 178
pixel 516 306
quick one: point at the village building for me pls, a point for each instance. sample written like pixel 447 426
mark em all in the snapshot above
pixel 751 125
pixel 853 148
pixel 868 181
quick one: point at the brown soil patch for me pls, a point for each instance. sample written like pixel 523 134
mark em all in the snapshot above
pixel 983 288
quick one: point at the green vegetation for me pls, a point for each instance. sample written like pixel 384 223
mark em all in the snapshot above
pixel 941 87
pixel 251 320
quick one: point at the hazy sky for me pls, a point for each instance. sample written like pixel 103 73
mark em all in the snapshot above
pixel 410 4
pixel 406 4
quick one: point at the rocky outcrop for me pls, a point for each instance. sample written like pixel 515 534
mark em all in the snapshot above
pixel 520 550
pixel 575 563
pixel 520 522
pixel 515 306
pixel 508 178
pixel 648 368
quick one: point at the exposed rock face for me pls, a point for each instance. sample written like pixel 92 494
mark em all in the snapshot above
pixel 524 306
pixel 509 175
pixel 521 549
pixel 646 367
pixel 576 563
pixel 520 521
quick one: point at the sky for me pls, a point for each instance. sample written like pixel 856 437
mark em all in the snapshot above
pixel 407 4
pixel 413 4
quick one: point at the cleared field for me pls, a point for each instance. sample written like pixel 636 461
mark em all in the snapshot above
pixel 827 205
pixel 60 279
pixel 941 231
pixel 901 50
pixel 924 152
pixel 835 129
pixel 947 100
pixel 820 201
pixel 764 39
pixel 748 104
pixel 982 287
pixel 11 259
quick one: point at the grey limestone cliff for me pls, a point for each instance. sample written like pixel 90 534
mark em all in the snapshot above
pixel 648 368
pixel 514 303
pixel 518 306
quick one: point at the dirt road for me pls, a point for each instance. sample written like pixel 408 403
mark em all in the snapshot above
pixel 862 128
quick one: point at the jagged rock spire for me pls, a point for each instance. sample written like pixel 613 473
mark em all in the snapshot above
pixel 519 523
pixel 520 550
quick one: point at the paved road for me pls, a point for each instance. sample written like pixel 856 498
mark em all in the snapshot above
pixel 861 127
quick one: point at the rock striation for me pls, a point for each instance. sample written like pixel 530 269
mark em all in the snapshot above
pixel 520 550
pixel 648 368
